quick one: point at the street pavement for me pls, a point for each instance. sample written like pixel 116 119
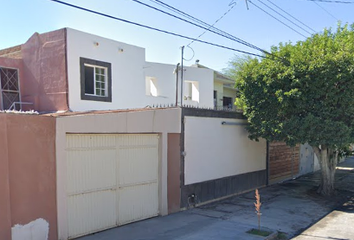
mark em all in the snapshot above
pixel 292 208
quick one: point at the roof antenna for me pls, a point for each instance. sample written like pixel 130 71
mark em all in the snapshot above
pixel 247 4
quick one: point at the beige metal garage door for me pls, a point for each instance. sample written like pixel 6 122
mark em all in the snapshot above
pixel 112 179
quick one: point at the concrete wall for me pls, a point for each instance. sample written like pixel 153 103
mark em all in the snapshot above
pixel 162 121
pixel 284 161
pixel 27 173
pixel 218 160
pixel 213 150
pixel 44 81
pixel 12 63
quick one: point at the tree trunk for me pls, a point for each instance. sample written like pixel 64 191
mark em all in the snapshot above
pixel 328 158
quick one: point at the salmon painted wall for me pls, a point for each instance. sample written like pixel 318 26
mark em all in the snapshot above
pixel 5 214
pixel 12 63
pixel 27 173
pixel 173 174
pixel 44 82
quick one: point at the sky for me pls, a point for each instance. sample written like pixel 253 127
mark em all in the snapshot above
pixel 21 18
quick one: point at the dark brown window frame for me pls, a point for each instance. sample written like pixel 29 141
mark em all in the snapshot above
pixel 107 65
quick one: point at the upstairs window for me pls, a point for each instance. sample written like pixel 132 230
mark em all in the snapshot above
pixel 151 86
pixel 191 90
pixel 9 88
pixel 96 80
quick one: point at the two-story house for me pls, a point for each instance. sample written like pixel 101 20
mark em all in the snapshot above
pixel 69 70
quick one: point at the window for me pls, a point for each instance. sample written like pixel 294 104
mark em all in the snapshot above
pixel 10 89
pixel 227 103
pixel 191 90
pixel 95 80
pixel 151 86
pixel 215 99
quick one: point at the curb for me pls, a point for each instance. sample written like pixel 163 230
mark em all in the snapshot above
pixel 272 236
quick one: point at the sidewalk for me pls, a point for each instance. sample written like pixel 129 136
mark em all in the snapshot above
pixel 289 207
pixel 339 223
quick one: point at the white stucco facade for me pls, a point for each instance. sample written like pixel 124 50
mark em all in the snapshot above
pixel 229 150
pixel 129 73
pixel 201 79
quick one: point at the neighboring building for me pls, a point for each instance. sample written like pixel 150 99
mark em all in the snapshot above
pixel 224 90
pixel 69 70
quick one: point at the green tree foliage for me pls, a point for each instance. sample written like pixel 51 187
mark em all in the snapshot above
pixel 302 92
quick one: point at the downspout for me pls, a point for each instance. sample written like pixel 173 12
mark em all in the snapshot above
pixel 177 84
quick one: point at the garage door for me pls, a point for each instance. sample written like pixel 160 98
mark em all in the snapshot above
pixel 112 179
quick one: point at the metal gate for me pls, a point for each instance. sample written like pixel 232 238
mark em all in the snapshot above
pixel 112 179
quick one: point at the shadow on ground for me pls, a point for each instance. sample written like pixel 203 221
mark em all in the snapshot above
pixel 289 207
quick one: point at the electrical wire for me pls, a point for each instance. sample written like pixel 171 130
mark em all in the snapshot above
pixel 155 29
pixel 232 4
pixel 171 8
pixel 330 14
pixel 331 1
pixel 205 28
pixel 276 18
pixel 284 16
pixel 291 16
pixel 192 52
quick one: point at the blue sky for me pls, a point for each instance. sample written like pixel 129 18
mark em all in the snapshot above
pixel 21 18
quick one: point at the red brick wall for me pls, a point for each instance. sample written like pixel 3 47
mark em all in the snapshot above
pixel 283 161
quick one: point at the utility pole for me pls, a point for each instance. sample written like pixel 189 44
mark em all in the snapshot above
pixel 177 69
pixel 182 70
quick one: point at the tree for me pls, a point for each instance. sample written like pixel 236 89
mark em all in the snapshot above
pixel 300 93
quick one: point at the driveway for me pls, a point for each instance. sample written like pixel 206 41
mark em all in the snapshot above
pixel 288 207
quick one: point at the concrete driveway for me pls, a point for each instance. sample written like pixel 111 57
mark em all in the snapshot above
pixel 289 207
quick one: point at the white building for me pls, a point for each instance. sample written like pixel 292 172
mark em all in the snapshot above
pixel 123 79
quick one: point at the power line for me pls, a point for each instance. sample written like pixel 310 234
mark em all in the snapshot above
pixel 155 29
pixel 212 25
pixel 330 14
pixel 171 8
pixel 331 1
pixel 291 15
pixel 284 16
pixel 276 18
pixel 209 28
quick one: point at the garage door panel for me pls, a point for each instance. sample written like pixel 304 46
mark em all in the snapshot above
pixel 137 165
pixel 86 169
pixel 91 212
pixel 137 202
pixel 112 179
pixel 90 140
pixel 137 139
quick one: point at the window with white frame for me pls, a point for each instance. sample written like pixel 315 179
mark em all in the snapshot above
pixel 151 86
pixel 95 80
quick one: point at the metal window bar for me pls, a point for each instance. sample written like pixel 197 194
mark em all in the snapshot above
pixel 13 105
pixel 9 87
